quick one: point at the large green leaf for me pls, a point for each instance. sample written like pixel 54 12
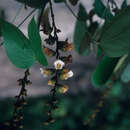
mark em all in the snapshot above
pixel 17 46
pixel 86 41
pixel 101 10
pixel 82 14
pixel 124 4
pixel 35 43
pixel 80 28
pixel 115 89
pixel 104 70
pixel 34 3
pixel 84 47
pixel 115 37
pixel 125 77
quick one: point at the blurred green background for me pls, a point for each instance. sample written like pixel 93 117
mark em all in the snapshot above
pixel 74 109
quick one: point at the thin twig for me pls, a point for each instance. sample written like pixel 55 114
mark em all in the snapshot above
pixel 71 10
pixel 27 17
pixel 23 21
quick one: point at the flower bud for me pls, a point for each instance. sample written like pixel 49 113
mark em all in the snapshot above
pixel 21 126
pixel 46 123
pixel 21 118
pixel 63 89
pixel 29 82
pixel 16 120
pixel 51 82
pixel 47 72
pixel 65 76
pixel 7 123
pixel 67 60
pixel 49 52
pixel 67 47
pixel 65 70
pixel 25 103
pixel 24 92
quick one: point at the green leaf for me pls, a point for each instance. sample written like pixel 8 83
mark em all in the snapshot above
pixel 35 3
pixel 84 47
pixel 86 41
pixel 80 29
pixel 73 2
pixel 17 46
pixel 124 4
pixel 104 70
pixel 82 14
pixel 101 10
pixel 125 77
pixel 35 43
pixel 115 89
pixel 115 37
pixel 99 52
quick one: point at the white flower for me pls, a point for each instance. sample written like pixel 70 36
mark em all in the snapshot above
pixel 59 64
pixel 70 74
pixel 44 72
pixel 41 70
pixel 67 75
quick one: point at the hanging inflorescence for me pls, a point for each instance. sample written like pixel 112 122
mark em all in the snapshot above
pixel 15 122
pixel 101 101
pixel 59 71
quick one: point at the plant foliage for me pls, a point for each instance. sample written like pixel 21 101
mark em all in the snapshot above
pixel 35 42
pixel 17 46
pixel 115 38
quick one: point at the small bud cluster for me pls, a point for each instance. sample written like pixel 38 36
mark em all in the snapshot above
pixel 59 71
pixel 16 121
